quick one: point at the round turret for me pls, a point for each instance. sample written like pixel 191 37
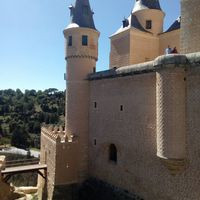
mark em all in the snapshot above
pixel 81 42
pixel 81 56
pixel 190 26
pixel 150 15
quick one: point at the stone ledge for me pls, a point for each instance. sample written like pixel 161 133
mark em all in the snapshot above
pixel 161 62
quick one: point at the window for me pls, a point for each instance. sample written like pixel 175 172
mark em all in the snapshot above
pixel 95 142
pixel 70 41
pixel 125 23
pixel 85 10
pixel 148 24
pixel 113 153
pixel 84 40
pixel 121 108
pixel 94 69
pixel 95 104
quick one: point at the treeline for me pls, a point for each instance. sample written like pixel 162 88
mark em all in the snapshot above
pixel 22 114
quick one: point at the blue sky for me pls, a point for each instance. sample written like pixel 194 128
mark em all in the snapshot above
pixel 32 42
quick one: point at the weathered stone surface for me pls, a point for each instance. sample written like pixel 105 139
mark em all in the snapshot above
pixel 190 26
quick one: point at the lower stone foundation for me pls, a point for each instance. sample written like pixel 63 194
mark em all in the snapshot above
pixel 92 189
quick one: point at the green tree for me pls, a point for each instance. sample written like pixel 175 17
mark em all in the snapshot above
pixel 20 137
pixel 1 130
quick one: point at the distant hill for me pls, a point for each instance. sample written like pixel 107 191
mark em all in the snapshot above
pixel 22 113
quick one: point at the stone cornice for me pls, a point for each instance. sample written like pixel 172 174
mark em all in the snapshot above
pixel 160 63
pixel 81 56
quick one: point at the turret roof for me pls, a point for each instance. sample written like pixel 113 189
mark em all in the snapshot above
pixel 82 15
pixel 131 21
pixel 176 25
pixel 146 4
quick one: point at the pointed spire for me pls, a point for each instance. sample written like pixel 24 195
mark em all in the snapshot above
pixel 146 4
pixel 81 14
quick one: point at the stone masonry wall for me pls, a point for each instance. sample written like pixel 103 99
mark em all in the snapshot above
pixel 171 38
pixel 48 156
pixel 190 26
pixel 133 131
pixel 120 50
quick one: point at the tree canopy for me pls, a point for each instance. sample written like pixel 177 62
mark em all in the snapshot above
pixel 22 113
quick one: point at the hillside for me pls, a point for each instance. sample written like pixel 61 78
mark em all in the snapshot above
pixel 22 114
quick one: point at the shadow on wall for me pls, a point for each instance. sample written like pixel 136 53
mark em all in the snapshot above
pixel 92 189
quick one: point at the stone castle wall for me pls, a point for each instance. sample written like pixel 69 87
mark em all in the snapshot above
pixel 133 131
pixel 143 47
pixel 60 155
pixel 190 26
pixel 133 46
pixel 171 38
pixel 120 50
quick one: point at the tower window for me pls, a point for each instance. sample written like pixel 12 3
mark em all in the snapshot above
pixel 95 142
pixel 121 108
pixel 84 40
pixel 148 24
pixel 70 41
pixel 95 104
pixel 125 23
pixel 113 153
pixel 94 69
pixel 85 10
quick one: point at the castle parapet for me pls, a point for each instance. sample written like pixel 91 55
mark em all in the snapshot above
pixel 56 133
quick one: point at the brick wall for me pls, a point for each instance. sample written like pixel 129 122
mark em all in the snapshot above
pixel 133 131
pixel 190 26
pixel 170 38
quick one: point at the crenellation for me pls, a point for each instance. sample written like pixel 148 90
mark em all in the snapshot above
pixel 54 132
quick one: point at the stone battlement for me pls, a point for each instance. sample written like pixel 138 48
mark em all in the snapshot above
pixel 57 133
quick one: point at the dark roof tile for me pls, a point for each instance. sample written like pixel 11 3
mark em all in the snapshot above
pixel 176 25
pixel 82 14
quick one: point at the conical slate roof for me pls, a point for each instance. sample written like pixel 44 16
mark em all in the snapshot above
pixel 131 21
pixel 176 25
pixel 146 4
pixel 81 14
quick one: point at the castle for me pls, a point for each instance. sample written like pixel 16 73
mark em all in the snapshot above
pixel 136 125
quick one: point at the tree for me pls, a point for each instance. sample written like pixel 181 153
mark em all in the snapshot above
pixel 1 130
pixel 19 94
pixel 36 127
pixel 28 111
pixel 20 138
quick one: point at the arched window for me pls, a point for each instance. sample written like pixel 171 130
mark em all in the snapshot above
pixel 113 153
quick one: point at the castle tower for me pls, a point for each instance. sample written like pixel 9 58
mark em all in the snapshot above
pixel 150 15
pixel 190 26
pixel 171 117
pixel 81 56
pixel 137 40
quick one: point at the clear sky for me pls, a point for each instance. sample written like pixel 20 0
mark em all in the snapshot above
pixel 32 42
